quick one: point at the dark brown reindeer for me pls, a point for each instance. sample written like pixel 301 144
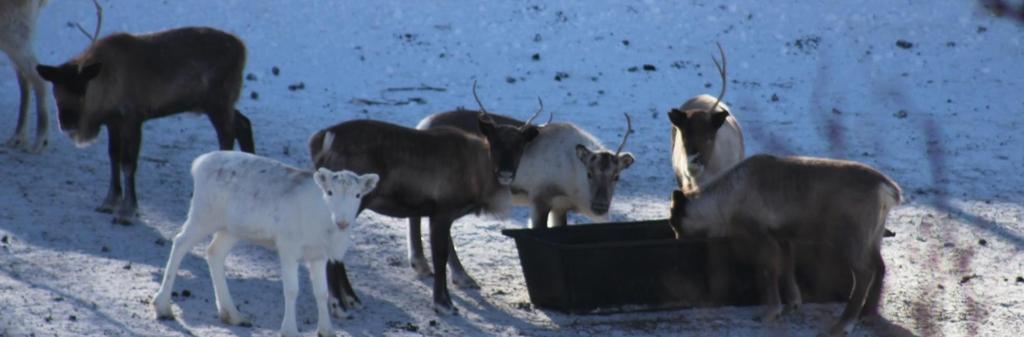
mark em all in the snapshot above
pixel 511 134
pixel 706 138
pixel 563 169
pixel 122 80
pixel 770 201
pixel 442 174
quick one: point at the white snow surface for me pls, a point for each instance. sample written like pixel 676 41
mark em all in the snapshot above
pixel 943 118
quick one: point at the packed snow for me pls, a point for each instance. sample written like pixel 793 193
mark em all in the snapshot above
pixel 929 92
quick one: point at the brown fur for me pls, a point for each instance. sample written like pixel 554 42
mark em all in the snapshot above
pixel 771 200
pixel 122 80
pixel 442 174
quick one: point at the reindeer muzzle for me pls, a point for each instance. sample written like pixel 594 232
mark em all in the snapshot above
pixel 505 178
pixel 601 208
pixel 342 225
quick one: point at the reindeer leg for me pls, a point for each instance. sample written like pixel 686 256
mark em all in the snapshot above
pixel 216 253
pixel 863 277
pixel 42 93
pixel 539 215
pixel 132 137
pixel 874 298
pixel 769 258
pixel 417 260
pixel 460 277
pixel 342 296
pixel 115 142
pixel 440 236
pixel 318 280
pixel 243 133
pixel 223 122
pixel 191 233
pixel 20 137
pixel 789 286
pixel 558 218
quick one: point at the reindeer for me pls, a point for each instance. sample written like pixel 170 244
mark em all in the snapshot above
pixel 563 169
pixel 771 201
pixel 17 30
pixel 442 173
pixel 304 215
pixel 122 80
pixel 706 138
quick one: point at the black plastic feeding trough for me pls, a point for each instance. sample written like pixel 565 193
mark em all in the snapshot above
pixel 614 267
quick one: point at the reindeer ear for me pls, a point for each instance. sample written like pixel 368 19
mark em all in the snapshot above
pixel 718 119
pixel 50 73
pixel 91 71
pixel 583 153
pixel 369 182
pixel 530 133
pixel 625 160
pixel 321 176
pixel 677 117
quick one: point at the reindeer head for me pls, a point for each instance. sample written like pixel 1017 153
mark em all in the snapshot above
pixel 70 89
pixel 507 142
pixel 603 168
pixel 700 125
pixel 698 128
pixel 343 191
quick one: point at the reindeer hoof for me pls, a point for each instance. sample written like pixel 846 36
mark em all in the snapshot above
pixel 163 313
pixel 16 142
pixel 39 146
pixel 125 217
pixel 769 315
pixel 122 220
pixel 235 318
pixel 325 332
pixel 445 309
pixel 421 267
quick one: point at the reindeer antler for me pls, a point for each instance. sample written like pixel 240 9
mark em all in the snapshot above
pixel 721 71
pixel 629 130
pixel 477 98
pixel 99 23
pixel 535 114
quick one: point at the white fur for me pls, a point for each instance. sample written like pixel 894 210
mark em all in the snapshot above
pixel 303 215
pixel 17 29
pixel 728 149
pixel 550 160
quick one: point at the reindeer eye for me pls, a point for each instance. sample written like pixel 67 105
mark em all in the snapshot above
pixel 590 176
pixel 359 195
pixel 616 177
pixel 329 193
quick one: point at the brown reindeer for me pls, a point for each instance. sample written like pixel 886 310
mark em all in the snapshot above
pixel 122 80
pixel 769 201
pixel 442 174
pixel 17 29
pixel 706 138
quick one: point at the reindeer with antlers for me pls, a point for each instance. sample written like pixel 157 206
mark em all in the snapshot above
pixel 122 80
pixel 442 173
pixel 563 169
pixel 17 29
pixel 706 138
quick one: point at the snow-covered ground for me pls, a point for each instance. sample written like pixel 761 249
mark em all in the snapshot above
pixel 941 114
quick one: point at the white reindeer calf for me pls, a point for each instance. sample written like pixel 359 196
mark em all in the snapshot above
pixel 303 214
